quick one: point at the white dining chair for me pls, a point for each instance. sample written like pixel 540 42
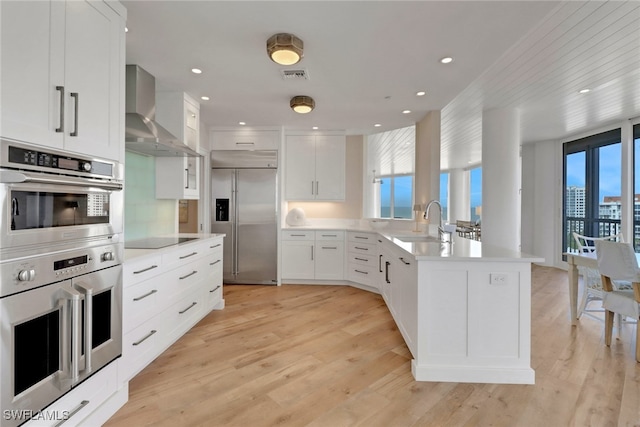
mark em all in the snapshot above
pixel 592 284
pixel 617 261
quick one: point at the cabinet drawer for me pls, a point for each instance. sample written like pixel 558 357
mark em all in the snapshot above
pixel 363 259
pixel 140 269
pixel 214 247
pixel 362 248
pixel 361 274
pixel 182 316
pixel 80 402
pixel 142 301
pixel 212 294
pixel 329 235
pixel 186 253
pixel 140 346
pixel 245 140
pixel 361 237
pixel 184 279
pixel 298 235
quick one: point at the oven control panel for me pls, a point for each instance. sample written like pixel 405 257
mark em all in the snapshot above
pixel 20 157
pixel 35 271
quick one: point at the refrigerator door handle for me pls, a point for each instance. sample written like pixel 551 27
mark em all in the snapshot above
pixel 235 222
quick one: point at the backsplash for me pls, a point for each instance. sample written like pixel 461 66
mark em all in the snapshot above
pixel 144 215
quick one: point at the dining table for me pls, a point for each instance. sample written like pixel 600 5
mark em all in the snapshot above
pixel 574 260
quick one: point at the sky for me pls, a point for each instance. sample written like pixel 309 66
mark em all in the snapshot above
pixel 610 170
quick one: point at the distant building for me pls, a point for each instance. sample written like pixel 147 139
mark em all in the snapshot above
pixel 575 201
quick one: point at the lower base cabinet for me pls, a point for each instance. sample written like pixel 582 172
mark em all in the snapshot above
pixel 312 255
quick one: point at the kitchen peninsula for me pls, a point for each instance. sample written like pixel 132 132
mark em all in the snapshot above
pixel 463 308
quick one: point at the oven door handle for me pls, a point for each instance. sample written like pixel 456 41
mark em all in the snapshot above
pixel 70 344
pixel 88 323
pixel 15 177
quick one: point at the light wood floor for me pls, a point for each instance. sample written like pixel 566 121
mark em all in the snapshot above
pixel 332 356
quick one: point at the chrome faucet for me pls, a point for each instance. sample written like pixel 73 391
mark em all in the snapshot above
pixel 441 231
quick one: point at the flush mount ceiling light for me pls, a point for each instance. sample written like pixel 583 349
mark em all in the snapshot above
pixel 285 48
pixel 446 60
pixel 302 104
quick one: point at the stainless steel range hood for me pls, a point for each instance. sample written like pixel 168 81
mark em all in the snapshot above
pixel 143 134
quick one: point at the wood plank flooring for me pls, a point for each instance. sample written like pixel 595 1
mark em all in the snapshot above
pixel 332 356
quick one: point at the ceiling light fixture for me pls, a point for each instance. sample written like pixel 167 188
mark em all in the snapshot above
pixel 302 104
pixel 242 123
pixel 406 111
pixel 377 125
pixel 586 90
pixel 315 128
pixel 446 60
pixel 205 98
pixel 421 93
pixel 285 48
pixel 196 71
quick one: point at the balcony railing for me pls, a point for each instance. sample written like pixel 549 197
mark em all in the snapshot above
pixel 592 227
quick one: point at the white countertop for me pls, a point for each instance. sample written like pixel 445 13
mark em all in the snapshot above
pixel 461 249
pixel 135 253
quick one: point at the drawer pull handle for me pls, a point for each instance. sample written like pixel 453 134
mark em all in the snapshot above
pixel 215 246
pixel 145 269
pixel 73 412
pixel 187 256
pixel 145 295
pixel 361 259
pixel 214 262
pixel 329 247
pixel 189 275
pixel 214 289
pixel 362 237
pixel 245 143
pixel 361 272
pixel 329 235
pixel 379 241
pixel 298 235
pixel 405 262
pixel 193 304
pixel 146 337
pixel 362 249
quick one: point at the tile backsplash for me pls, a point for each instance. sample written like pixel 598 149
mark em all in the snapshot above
pixel 144 215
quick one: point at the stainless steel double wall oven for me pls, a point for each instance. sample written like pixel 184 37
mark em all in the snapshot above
pixel 61 250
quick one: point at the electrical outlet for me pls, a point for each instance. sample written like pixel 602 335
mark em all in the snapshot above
pixel 498 278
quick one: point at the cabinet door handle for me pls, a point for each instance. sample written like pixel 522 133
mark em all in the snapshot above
pixel 73 412
pixel 186 178
pixel 193 304
pixel 145 269
pixel 329 235
pixel 214 289
pixel 405 262
pixel 76 97
pixel 362 237
pixel 145 295
pixel 329 247
pixel 189 275
pixel 312 193
pixel 245 143
pixel 187 256
pixel 386 271
pixel 380 263
pixel 215 246
pixel 298 235
pixel 361 259
pixel 311 253
pixel 317 188
pixel 144 338
pixel 362 249
pixel 61 127
pixel 361 272
pixel 214 262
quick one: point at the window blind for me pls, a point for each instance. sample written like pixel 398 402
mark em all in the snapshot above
pixel 392 152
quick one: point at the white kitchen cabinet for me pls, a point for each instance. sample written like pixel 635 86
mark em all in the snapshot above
pixel 312 255
pixel 315 167
pixel 179 113
pixel 362 258
pixel 178 177
pixel 245 139
pixel 63 75
pixel 166 293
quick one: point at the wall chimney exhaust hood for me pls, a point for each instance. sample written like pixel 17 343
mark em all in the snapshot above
pixel 143 135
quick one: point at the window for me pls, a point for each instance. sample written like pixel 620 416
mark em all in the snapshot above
pixel 592 182
pixel 390 156
pixel 476 194
pixel 444 195
pixel 636 187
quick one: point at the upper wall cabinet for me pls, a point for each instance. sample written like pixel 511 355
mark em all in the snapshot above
pixel 315 167
pixel 63 75
pixel 244 139
pixel 179 114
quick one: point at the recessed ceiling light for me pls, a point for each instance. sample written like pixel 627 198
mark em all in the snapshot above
pixel 196 71
pixel 406 111
pixel 315 128
pixel 377 125
pixel 446 60
pixel 421 93
pixel 242 123
pixel 585 90
pixel 205 98
pixel 126 30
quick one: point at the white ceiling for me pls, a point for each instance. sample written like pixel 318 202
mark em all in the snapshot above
pixel 367 59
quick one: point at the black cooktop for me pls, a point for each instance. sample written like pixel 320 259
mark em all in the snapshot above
pixel 156 242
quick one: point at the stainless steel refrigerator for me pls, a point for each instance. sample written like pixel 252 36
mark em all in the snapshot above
pixel 243 206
